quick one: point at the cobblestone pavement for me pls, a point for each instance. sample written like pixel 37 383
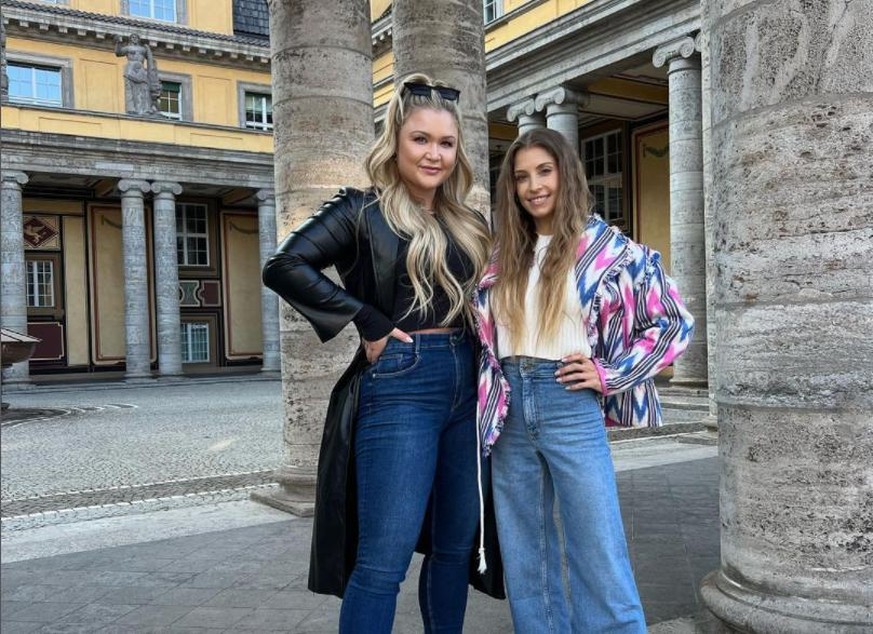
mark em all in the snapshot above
pixel 77 449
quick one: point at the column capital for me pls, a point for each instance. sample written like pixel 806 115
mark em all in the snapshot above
pixel 132 187
pixel 560 96
pixel 680 48
pixel 526 106
pixel 14 177
pixel 266 195
pixel 164 187
pixel 699 41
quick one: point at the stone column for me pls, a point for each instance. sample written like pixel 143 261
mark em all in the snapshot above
pixel 792 158
pixel 323 113
pixel 526 114
pixel 446 40
pixel 13 292
pixel 269 300
pixel 562 112
pixel 701 44
pixel 687 236
pixel 136 285
pixel 167 278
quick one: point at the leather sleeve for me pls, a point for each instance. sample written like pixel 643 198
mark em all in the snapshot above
pixel 326 239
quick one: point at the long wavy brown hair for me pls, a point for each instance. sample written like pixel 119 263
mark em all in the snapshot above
pixel 515 235
pixel 426 261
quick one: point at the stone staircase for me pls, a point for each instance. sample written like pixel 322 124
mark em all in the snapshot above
pixel 686 414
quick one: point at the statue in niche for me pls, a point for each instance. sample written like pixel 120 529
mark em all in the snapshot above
pixel 142 86
pixel 4 78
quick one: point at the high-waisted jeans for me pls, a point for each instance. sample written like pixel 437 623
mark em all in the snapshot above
pixel 553 452
pixel 415 450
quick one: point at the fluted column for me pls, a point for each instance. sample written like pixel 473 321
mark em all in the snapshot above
pixel 269 300
pixel 792 158
pixel 526 114
pixel 13 292
pixel 167 278
pixel 562 111
pixel 136 286
pixel 687 235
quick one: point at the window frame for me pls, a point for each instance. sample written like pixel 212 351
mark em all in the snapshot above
pixel 185 235
pixel 608 179
pixel 498 10
pixel 30 282
pixel 185 325
pixel 186 101
pixel 261 89
pixel 63 65
pixel 181 12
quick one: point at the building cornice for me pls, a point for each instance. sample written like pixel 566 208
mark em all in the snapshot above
pixel 69 26
pixel 52 153
pixel 593 37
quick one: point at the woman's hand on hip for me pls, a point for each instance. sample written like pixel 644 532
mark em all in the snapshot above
pixel 374 349
pixel 579 373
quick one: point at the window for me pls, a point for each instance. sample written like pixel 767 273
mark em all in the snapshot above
pixel 192 237
pixel 164 10
pixel 493 9
pixel 40 283
pixel 170 101
pixel 195 342
pixel 603 166
pixel 155 9
pixel 258 111
pixel 39 85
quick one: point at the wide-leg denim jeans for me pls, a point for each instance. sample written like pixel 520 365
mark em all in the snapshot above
pixel 553 453
pixel 415 451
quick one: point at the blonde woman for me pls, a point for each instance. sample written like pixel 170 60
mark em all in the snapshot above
pixel 400 442
pixel 575 320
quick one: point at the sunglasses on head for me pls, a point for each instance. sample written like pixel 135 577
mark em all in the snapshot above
pixel 425 90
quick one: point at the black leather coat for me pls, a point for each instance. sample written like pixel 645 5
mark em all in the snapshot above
pixel 350 233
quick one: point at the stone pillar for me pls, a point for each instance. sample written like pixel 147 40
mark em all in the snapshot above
pixel 687 236
pixel 526 114
pixel 446 40
pixel 323 115
pixel 269 300
pixel 136 285
pixel 167 278
pixel 701 44
pixel 13 292
pixel 792 158
pixel 562 112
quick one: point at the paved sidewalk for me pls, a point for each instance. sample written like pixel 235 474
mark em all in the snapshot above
pixel 239 566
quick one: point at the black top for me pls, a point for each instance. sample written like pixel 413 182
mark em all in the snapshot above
pixel 373 325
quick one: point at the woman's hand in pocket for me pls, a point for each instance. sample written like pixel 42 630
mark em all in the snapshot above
pixel 374 349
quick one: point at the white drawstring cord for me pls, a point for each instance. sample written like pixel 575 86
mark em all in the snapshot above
pixel 482 565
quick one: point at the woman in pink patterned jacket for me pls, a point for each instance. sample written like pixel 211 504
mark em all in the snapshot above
pixel 575 320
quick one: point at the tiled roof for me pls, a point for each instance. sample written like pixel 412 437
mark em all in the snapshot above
pixel 251 18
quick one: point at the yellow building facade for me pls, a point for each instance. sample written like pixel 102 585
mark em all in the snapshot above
pixel 97 179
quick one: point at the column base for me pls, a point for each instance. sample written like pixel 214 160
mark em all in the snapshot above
pixel 295 493
pixel 134 379
pixel 742 609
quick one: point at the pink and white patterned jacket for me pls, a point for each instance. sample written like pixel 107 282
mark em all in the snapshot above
pixel 636 323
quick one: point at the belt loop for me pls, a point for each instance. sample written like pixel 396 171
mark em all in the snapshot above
pixel 416 342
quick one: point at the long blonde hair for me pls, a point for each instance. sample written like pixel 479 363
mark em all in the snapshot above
pixel 426 261
pixel 516 235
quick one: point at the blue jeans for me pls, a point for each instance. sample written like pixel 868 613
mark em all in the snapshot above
pixel 415 449
pixel 554 453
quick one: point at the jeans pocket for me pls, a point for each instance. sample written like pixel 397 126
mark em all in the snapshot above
pixel 394 364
